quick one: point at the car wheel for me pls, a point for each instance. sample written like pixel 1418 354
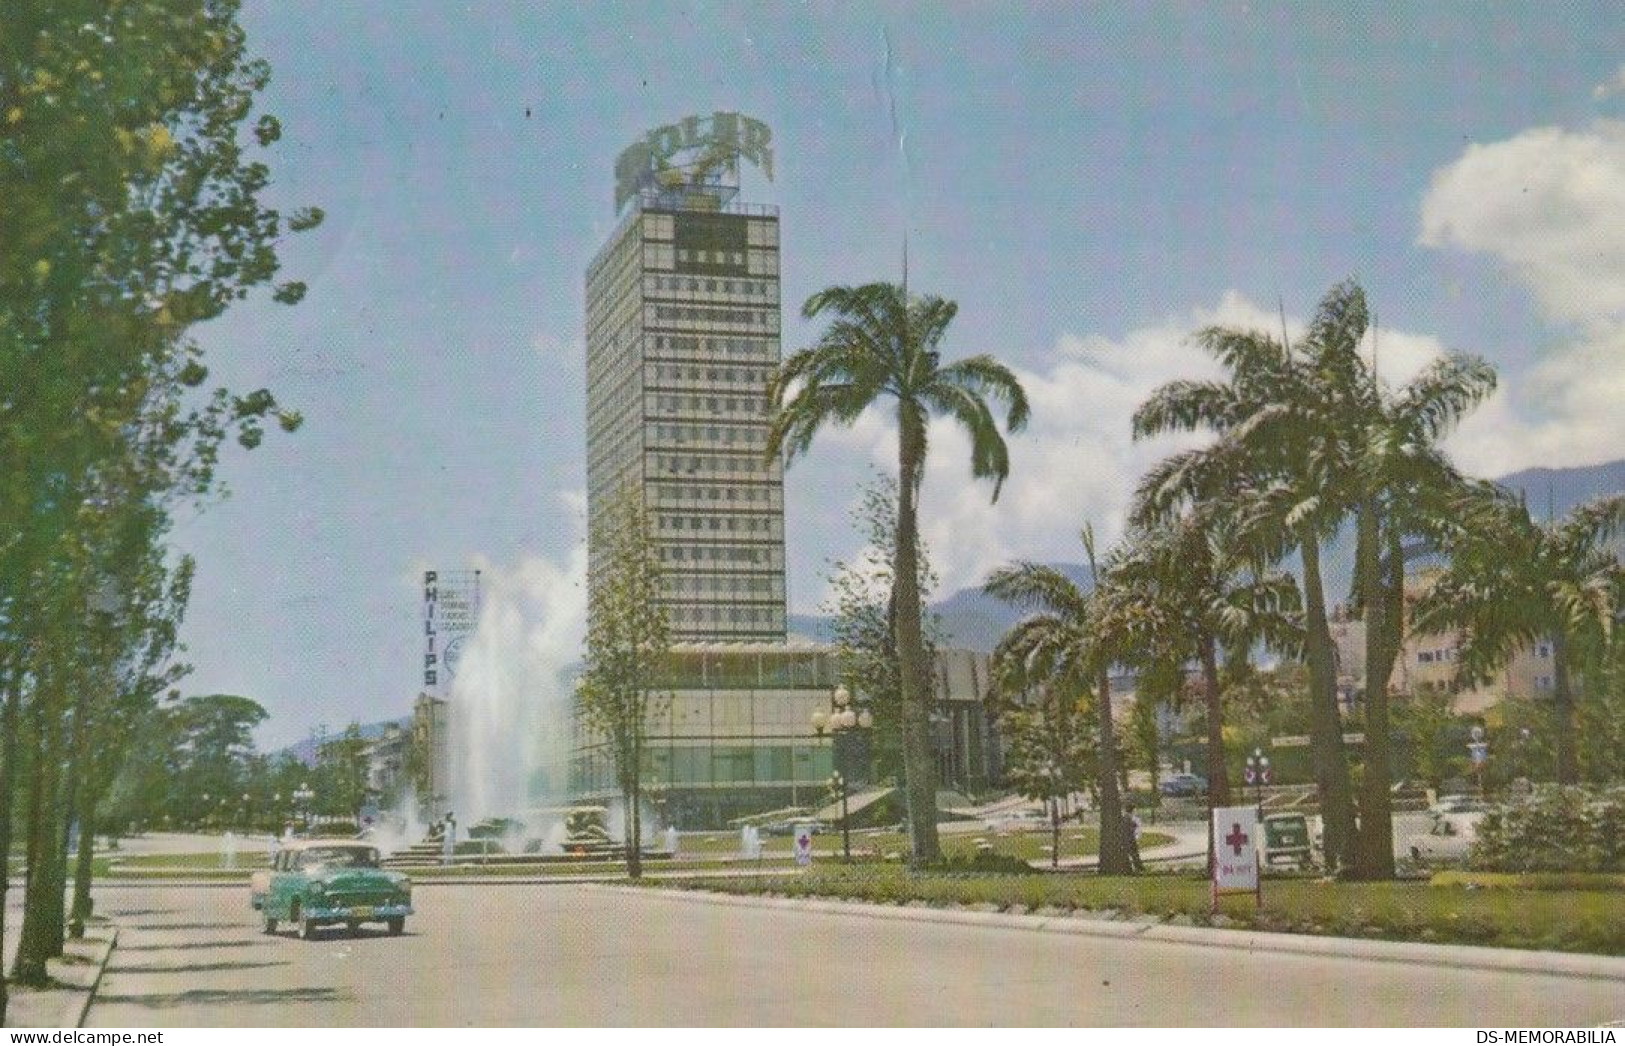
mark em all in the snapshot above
pixel 270 925
pixel 354 928
pixel 397 925
pixel 307 927
pixel 1416 853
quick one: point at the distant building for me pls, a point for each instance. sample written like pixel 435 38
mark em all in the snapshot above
pixel 1428 663
pixel 428 740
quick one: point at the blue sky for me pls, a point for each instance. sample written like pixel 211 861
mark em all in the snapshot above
pixel 1090 186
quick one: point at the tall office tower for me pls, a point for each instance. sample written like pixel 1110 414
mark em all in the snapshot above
pixel 682 338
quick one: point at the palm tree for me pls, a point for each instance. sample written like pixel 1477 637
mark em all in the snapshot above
pixel 1514 581
pixel 1281 466
pixel 1059 651
pixel 1189 587
pixel 1405 485
pixel 883 344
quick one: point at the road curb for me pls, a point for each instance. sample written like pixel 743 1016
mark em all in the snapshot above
pixel 1451 956
pixel 102 962
pixel 64 1003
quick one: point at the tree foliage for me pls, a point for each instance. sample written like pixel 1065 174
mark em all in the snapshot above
pixel 133 211
pixel 628 643
pixel 863 622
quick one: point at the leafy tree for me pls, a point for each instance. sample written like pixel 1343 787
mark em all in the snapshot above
pixel 1156 688
pixel 1059 653
pixel 628 642
pixel 1048 754
pixel 1601 713
pixel 1514 581
pixel 1432 732
pixel 211 742
pixel 864 626
pixel 132 212
pixel 882 343
pixel 341 774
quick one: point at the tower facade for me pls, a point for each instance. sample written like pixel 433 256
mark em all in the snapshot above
pixel 682 310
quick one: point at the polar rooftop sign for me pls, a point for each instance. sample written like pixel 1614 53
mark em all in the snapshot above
pixel 717 142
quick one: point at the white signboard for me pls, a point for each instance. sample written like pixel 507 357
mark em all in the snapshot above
pixel 803 844
pixel 1235 848
pixel 451 610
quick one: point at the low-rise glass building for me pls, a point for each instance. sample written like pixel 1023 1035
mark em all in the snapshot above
pixel 736 735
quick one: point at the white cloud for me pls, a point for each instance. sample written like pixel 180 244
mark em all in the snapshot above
pixel 1077 462
pixel 1613 85
pixel 1547 203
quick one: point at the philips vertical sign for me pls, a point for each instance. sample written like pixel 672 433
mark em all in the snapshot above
pixel 451 607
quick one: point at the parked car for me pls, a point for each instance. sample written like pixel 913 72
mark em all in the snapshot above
pixel 329 882
pixel 1287 841
pixel 1448 837
pixel 1183 785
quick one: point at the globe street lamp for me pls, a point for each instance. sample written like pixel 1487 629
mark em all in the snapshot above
pixel 1258 775
pixel 844 715
pixel 302 797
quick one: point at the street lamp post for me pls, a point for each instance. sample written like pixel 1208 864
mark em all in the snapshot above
pixel 1258 775
pixel 844 715
pixel 837 784
pixel 303 797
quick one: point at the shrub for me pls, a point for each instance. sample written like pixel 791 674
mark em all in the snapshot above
pixel 1556 829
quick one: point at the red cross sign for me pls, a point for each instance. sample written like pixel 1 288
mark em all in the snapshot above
pixel 1235 849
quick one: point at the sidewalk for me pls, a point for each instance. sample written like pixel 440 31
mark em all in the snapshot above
pixel 75 977
pixel 1190 843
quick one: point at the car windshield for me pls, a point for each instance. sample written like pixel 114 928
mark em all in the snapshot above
pixel 342 856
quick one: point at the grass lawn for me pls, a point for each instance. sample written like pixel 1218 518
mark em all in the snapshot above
pixel 1578 920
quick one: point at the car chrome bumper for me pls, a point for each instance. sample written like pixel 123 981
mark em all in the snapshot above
pixel 377 911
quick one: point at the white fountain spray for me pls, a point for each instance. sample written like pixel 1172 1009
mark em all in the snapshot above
pixel 509 707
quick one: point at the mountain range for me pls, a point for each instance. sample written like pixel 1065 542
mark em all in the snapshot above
pixel 974 620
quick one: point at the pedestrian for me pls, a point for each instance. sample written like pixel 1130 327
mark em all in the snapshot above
pixel 1131 839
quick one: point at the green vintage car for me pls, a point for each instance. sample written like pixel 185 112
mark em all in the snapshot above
pixel 330 882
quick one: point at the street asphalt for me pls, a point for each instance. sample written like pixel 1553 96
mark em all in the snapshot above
pixel 589 955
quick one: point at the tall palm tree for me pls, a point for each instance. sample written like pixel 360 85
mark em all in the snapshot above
pixel 1061 651
pixel 880 344
pixel 1189 587
pixel 1405 485
pixel 1514 581
pixel 1281 464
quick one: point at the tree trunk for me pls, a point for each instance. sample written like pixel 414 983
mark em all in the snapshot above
pixel 918 769
pixel 1218 777
pixel 35 944
pixel 634 826
pixel 84 868
pixel 1326 723
pixel 1568 771
pixel 1114 859
pixel 1054 832
pixel 1374 858
pixel 11 689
